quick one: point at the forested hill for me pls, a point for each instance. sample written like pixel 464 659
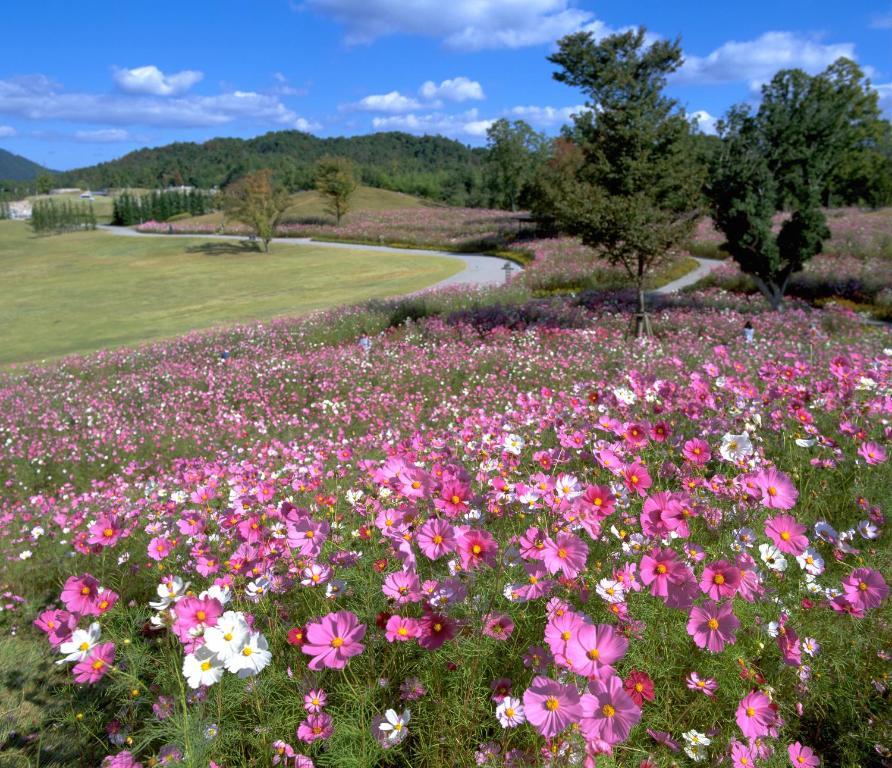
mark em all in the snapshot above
pixel 433 166
pixel 18 168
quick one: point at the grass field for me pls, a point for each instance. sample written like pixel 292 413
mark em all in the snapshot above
pixel 309 205
pixel 84 291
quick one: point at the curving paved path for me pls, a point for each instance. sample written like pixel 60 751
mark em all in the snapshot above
pixel 695 275
pixel 480 269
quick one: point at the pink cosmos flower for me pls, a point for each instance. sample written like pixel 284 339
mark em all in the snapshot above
pixel 105 600
pixel 802 756
pixel 565 554
pixel 283 752
pixel 697 451
pixel 712 626
pixel 865 588
pixel 436 538
pixel 476 547
pixel 608 713
pixel 775 488
pixel 550 706
pixel 600 499
pixel 592 647
pixel 400 629
pixel 159 548
pixel 315 700
pixel 192 612
pixel 532 544
pixel 454 498
pixel 660 514
pixel 787 534
pixel 637 478
pixel 756 715
pixel 872 453
pixel 434 629
pixel 707 686
pixel 403 587
pixel 94 667
pixel 333 640
pixel 720 580
pixel 58 625
pixel 123 759
pixel 661 568
pixel 79 594
pixel 106 531
pixel 307 536
pixel 315 727
pixel 639 686
pixel 741 755
pixel 498 626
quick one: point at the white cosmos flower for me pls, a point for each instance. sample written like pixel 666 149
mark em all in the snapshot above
pixel 252 658
pixel 510 712
pixel 610 590
pixel 625 395
pixel 805 443
pixel 394 725
pixel 772 557
pixel 169 591
pixel 567 487
pixel 78 646
pixel 228 637
pixel 868 530
pixel 514 444
pixel 217 592
pixel 695 746
pixel 736 447
pixel 203 667
pixel 811 562
pixel 257 589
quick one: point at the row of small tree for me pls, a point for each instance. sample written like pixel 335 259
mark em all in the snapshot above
pixel 131 208
pixel 50 217
pixel 4 210
pixel 630 176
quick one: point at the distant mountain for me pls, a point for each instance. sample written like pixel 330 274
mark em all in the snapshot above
pixel 18 168
pixel 432 166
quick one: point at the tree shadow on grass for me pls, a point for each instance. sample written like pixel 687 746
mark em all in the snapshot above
pixel 227 248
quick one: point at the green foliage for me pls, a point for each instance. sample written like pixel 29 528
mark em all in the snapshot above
pixel 515 153
pixel 53 218
pixel 335 179
pixel 44 184
pixel 17 168
pixel 625 180
pixel 161 205
pixel 257 202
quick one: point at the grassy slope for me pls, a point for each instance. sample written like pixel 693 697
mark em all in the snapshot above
pixel 310 205
pixel 83 291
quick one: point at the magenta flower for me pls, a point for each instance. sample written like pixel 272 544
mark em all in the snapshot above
pixel 403 587
pixel 592 647
pixel 436 538
pixel 565 554
pixel 697 451
pixel 315 700
pixel 192 612
pixel 787 534
pixel 712 626
pixel 661 568
pixel 872 453
pixel 79 595
pixel 400 629
pixel 106 531
pixel 454 498
pixel 802 757
pixel 776 489
pixel 742 756
pixel 707 686
pixel 58 625
pixel 307 536
pixel 720 580
pixel 315 727
pixel 637 478
pixel 159 548
pixel 756 715
pixel 498 626
pixel 434 629
pixel 550 706
pixel 608 713
pixel 865 588
pixel 94 667
pixel 333 640
pixel 476 547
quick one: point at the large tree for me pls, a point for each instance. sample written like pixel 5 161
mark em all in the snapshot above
pixel 634 189
pixel 772 174
pixel 336 182
pixel 515 151
pixel 257 202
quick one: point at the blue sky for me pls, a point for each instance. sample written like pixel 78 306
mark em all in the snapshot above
pixel 90 81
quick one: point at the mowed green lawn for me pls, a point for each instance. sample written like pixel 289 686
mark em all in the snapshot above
pixel 84 291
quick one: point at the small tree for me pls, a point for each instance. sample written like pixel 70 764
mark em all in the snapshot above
pixel 44 184
pixel 635 188
pixel 256 202
pixel 782 159
pixel 336 182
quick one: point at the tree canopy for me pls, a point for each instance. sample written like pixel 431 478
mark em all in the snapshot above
pixel 257 202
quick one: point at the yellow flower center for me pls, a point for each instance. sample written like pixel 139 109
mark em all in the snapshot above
pixel 205 666
pixel 772 491
pixel 750 711
pixel 98 664
pixel 712 624
pixel 476 549
pixel 661 568
pixel 594 653
pixel 455 499
pixel 718 579
pixel 551 703
pixel 562 553
pixel 200 615
pixel 247 651
pixel 337 642
pixel 438 539
pixel 608 710
pixel 785 535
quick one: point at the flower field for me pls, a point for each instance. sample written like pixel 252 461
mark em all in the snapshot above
pixel 494 535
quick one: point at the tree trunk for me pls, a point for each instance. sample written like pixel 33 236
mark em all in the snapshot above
pixel 642 318
pixel 772 291
pixel 266 244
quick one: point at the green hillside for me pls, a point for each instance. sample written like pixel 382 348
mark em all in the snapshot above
pixel 430 166
pixel 17 168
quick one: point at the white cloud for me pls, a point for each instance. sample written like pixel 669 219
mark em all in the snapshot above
pixel 150 80
pixel 307 126
pixel 464 124
pixel 6 131
pixel 387 102
pixel 706 123
pixel 456 89
pixel 36 97
pixel 756 61
pixel 103 135
pixel 881 20
pixel 546 116
pixel 461 24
